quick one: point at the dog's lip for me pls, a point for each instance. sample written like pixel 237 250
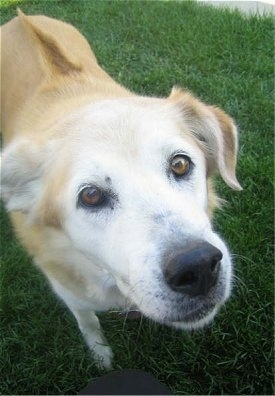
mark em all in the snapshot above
pixel 190 313
pixel 191 316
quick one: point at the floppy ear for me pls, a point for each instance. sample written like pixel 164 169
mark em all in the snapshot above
pixel 56 59
pixel 214 130
pixel 21 170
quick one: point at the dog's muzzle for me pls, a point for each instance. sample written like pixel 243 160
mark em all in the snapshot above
pixel 194 271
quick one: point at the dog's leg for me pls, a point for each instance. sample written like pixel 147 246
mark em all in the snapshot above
pixel 91 330
pixel 88 324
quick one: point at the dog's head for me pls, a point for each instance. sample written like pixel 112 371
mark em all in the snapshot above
pixel 129 182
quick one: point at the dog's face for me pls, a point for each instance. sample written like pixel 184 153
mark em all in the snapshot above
pixel 134 197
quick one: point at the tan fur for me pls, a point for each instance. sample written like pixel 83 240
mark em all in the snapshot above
pixel 198 115
pixel 34 241
pixel 60 77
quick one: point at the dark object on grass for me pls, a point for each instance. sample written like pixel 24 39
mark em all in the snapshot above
pixel 126 382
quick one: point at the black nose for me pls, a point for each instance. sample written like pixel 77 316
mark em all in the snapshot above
pixel 194 271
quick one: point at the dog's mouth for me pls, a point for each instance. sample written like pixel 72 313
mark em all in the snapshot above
pixel 194 317
pixel 175 309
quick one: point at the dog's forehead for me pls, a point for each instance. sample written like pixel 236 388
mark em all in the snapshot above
pixel 130 127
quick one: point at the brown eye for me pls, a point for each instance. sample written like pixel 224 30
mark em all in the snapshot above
pixel 180 165
pixel 91 196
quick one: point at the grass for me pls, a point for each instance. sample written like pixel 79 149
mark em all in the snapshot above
pixel 226 59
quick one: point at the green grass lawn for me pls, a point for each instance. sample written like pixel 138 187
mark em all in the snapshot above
pixel 227 60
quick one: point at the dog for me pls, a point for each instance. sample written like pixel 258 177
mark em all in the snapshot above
pixel 110 192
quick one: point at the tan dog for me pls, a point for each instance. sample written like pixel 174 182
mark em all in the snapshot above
pixel 111 192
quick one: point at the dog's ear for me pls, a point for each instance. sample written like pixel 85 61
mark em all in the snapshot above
pixel 27 187
pixel 55 58
pixel 215 132
pixel 21 170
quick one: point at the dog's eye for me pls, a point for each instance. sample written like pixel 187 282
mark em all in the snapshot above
pixel 180 165
pixel 91 197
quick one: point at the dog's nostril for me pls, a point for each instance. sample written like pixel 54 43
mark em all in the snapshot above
pixel 215 266
pixel 194 271
pixel 186 279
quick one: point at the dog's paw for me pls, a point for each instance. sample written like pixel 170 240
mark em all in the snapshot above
pixel 90 327
pixel 103 356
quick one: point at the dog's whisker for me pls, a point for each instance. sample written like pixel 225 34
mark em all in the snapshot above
pixel 242 258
